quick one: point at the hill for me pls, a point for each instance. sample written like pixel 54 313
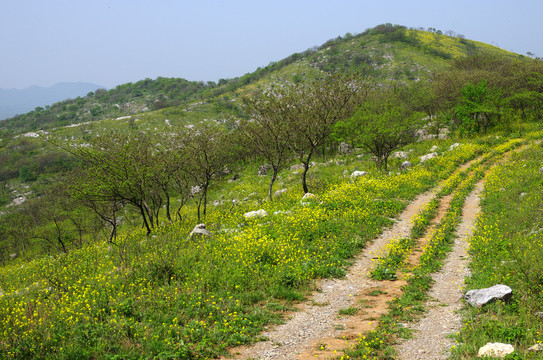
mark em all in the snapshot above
pixel 157 234
pixel 19 101
pixel 384 53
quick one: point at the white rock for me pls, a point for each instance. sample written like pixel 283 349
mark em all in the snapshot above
pixel 405 165
pixel 480 297
pixel 496 350
pixel 358 173
pixel 454 146
pixel 308 196
pixel 200 229
pixel 280 192
pixel 423 158
pixel 256 213
pixel 536 347
pixel 434 148
pixel 399 155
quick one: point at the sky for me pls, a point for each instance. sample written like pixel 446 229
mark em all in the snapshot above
pixel 112 42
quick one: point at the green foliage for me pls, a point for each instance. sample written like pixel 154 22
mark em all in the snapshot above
pixel 478 108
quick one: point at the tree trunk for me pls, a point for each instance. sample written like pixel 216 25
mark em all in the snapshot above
pixel 274 177
pixel 145 223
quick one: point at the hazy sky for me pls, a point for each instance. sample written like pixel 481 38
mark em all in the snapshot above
pixel 111 42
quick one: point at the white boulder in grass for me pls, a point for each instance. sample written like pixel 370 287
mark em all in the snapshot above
pixel 200 229
pixel 480 297
pixel 498 350
pixel 426 157
pixel 255 214
pixel 358 173
pixel 454 146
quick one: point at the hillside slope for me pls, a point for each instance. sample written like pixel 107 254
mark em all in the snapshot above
pixel 384 53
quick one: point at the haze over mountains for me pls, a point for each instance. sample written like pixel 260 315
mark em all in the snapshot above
pixel 20 101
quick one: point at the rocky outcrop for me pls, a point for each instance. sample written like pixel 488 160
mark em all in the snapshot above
pixel 481 297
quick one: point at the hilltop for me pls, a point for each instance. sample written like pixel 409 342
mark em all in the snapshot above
pixel 385 53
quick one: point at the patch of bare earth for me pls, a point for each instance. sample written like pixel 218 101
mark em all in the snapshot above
pixel 432 341
pixel 317 331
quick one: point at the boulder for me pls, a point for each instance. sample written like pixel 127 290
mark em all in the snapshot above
pixel 541 169
pixel 405 165
pixel 13 256
pixel 263 169
pixel 195 190
pixel 255 214
pixel 344 148
pixel 454 146
pixel 423 158
pixel 200 229
pixel 296 167
pixel 496 350
pixel 434 148
pixel 480 297
pixel 358 173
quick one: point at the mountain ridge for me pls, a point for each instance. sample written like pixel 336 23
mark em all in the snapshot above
pixel 19 101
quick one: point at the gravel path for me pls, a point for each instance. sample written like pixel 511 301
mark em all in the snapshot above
pixel 432 341
pixel 317 320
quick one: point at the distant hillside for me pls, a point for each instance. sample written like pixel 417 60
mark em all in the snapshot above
pixel 20 101
pixel 385 53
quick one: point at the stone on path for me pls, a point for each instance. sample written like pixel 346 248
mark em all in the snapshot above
pixel 481 297
pixel 496 350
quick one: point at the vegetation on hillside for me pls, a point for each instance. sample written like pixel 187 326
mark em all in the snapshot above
pixel 94 239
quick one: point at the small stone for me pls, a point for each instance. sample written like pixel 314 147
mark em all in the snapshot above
pixel 428 157
pixel 256 213
pixel 496 350
pixel 280 192
pixel 308 196
pixel 263 169
pixel 434 148
pixel 358 173
pixel 454 146
pixel 344 148
pixel 399 155
pixel 200 229
pixel 405 165
pixel 536 347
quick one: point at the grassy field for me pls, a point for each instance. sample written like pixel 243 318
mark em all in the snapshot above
pixel 168 296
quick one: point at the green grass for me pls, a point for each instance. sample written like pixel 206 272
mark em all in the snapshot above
pixel 507 248
pixel 166 296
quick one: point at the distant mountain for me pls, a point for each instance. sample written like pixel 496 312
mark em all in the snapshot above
pixel 20 101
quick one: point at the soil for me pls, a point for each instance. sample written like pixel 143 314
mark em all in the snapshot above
pixel 432 340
